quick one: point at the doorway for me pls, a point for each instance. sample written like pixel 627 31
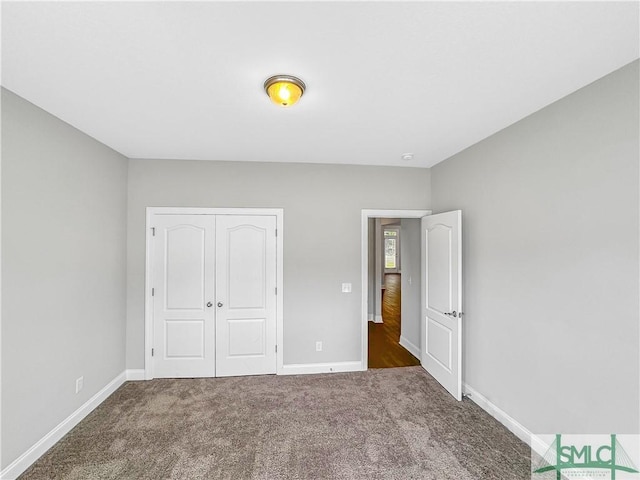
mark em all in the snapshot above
pixel 382 310
pixel 214 292
pixel 440 274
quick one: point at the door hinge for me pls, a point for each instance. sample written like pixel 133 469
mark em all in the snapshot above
pixel 152 352
pixel 276 348
pixel 153 292
pixel 276 290
pixel 276 232
pixel 153 231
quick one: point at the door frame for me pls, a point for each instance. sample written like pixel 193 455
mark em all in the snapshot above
pixel 148 299
pixel 364 264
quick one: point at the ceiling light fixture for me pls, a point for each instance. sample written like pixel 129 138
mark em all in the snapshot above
pixel 284 90
pixel 407 157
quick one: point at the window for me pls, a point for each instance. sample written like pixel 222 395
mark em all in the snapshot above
pixel 390 249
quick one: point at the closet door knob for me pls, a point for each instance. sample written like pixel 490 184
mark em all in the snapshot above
pixel 219 304
pixel 209 304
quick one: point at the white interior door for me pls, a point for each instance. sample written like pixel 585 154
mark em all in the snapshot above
pixel 183 274
pixel 246 295
pixel 442 299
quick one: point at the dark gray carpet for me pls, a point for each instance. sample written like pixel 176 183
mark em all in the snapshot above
pixel 380 424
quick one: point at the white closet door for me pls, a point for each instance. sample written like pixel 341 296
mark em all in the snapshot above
pixel 183 275
pixel 246 295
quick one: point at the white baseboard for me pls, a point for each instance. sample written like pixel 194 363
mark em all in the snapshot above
pixel 25 460
pixel 378 319
pixel 415 351
pixel 370 317
pixel 507 420
pixel 300 369
pixel 135 374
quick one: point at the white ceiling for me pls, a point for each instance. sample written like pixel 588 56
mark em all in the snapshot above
pixel 184 79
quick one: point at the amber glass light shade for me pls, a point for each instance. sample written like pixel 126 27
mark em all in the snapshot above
pixel 284 90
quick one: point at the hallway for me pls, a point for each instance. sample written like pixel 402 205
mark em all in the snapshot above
pixel 385 350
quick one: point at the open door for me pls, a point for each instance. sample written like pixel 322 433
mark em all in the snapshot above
pixel 442 299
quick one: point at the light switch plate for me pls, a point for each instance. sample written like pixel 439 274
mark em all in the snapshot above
pixel 346 288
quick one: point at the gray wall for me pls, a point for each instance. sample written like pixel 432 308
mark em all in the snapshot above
pixel 371 274
pixel 377 268
pixel 550 228
pixel 410 262
pixel 63 271
pixel 322 222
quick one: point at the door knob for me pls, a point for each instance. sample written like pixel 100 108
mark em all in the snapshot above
pixel 209 304
pixel 453 314
pixel 219 304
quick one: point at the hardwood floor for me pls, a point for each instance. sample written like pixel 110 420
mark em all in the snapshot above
pixel 385 350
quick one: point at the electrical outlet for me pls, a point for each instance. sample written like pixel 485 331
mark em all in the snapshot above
pixel 346 288
pixel 79 384
pixel 318 346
